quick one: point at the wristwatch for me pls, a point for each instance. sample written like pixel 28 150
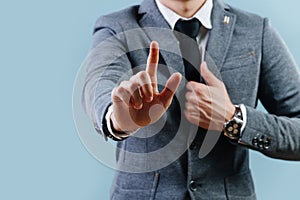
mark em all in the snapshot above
pixel 233 128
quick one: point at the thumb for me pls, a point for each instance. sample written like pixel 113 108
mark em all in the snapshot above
pixel 208 76
pixel 170 89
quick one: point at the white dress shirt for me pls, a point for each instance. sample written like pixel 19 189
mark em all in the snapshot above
pixel 203 15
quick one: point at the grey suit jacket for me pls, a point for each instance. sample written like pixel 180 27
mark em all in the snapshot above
pixel 162 161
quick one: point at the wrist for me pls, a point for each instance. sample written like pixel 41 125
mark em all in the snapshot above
pixel 230 112
pixel 233 127
pixel 110 129
pixel 114 124
pixel 118 129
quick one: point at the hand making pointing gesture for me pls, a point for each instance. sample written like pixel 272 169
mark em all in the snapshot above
pixel 137 102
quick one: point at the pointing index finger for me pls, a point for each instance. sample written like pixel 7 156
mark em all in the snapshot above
pixel 152 63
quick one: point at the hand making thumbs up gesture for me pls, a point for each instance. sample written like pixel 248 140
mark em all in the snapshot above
pixel 137 102
pixel 208 106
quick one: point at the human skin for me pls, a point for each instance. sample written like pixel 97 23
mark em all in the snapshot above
pixel 207 106
pixel 137 102
pixel 184 8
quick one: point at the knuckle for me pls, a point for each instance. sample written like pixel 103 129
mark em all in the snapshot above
pixel 199 91
pixel 123 83
pixel 188 96
pixel 220 83
pixel 193 119
pixel 143 75
pixel 187 106
pixel 126 85
pixel 198 99
pixel 114 92
pixel 187 114
pixel 135 77
pixel 189 118
pixel 121 92
pixel 133 87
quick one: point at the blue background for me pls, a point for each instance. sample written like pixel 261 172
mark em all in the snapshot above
pixel 42 45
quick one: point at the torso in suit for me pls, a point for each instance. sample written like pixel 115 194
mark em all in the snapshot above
pixel 251 60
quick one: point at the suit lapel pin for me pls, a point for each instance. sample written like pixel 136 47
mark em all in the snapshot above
pixel 226 20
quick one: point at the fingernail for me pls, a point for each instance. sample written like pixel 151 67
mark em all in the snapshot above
pixel 139 107
pixel 149 99
pixel 154 44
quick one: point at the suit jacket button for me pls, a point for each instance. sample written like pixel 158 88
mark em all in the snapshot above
pixel 255 141
pixel 267 143
pixel 193 186
pixel 193 146
pixel 260 143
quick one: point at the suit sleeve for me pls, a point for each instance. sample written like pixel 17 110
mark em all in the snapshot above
pixel 106 64
pixel 276 134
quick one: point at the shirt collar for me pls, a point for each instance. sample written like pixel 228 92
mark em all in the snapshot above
pixel 203 14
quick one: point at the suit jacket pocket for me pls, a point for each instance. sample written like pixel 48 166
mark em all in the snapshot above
pixel 243 58
pixel 135 186
pixel 240 186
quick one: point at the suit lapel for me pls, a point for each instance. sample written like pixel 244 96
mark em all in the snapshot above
pixel 217 47
pixel 157 29
pixel 223 23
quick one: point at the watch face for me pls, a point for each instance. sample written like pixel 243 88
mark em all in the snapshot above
pixel 232 129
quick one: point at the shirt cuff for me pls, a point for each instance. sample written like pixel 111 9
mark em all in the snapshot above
pixel 118 136
pixel 244 116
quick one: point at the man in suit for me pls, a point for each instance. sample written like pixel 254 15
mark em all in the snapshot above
pixel 182 136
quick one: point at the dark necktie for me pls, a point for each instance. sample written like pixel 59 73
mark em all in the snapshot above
pixel 189 47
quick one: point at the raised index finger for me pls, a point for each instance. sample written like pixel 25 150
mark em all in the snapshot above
pixel 152 63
